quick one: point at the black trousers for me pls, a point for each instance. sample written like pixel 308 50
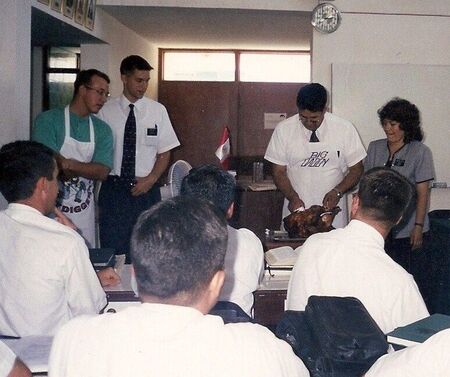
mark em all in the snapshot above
pixel 119 210
pixel 417 262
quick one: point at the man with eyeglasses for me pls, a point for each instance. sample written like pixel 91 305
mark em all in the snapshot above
pixel 316 156
pixel 84 148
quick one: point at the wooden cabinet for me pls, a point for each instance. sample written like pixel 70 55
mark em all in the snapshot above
pixel 269 307
pixel 257 210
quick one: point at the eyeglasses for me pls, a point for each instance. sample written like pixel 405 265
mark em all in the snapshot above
pixel 308 117
pixel 100 92
pixel 313 120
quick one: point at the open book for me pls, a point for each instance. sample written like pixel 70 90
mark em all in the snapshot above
pixel 419 331
pixel 284 256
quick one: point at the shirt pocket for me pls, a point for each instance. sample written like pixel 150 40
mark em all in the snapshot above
pixel 150 136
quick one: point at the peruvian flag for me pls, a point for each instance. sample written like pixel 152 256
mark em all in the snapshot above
pixel 223 152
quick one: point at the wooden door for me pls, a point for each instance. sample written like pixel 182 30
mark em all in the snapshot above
pixel 199 111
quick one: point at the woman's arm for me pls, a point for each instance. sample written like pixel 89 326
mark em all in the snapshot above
pixel 423 193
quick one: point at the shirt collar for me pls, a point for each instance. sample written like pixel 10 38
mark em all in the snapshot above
pixel 14 208
pixel 369 231
pixel 320 132
pixel 125 104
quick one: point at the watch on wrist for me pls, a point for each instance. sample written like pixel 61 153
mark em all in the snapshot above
pixel 338 193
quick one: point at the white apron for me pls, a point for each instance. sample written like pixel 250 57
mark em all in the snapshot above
pixel 78 193
pixel 313 171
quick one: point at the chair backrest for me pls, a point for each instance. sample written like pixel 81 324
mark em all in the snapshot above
pixel 230 312
pixel 334 336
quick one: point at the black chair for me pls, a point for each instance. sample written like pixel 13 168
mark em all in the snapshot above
pixel 230 312
pixel 439 256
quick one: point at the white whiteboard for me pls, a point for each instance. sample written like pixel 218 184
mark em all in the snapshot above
pixel 359 90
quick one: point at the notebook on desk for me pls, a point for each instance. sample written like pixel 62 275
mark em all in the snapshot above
pixel 102 257
pixel 419 331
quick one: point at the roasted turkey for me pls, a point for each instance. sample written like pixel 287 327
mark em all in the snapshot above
pixel 316 219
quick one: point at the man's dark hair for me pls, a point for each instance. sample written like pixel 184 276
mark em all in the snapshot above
pixel 384 195
pixel 177 246
pixel 407 114
pixel 312 97
pixel 84 78
pixel 211 183
pixel 22 163
pixel 132 62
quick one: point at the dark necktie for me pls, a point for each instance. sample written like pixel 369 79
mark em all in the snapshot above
pixel 314 138
pixel 129 148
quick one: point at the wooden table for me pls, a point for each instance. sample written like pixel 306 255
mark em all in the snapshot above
pixel 268 306
pixel 270 299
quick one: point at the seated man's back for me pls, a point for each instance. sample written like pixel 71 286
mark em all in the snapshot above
pixel 244 260
pixel 46 276
pixel 179 272
pixel 244 266
pixel 352 261
pixel 169 340
pixel 428 359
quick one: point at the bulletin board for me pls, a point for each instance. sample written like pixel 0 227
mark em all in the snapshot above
pixel 359 90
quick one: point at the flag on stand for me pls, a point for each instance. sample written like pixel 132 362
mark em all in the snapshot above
pixel 223 152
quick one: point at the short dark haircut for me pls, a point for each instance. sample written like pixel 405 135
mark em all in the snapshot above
pixel 407 114
pixel 177 246
pixel 211 183
pixel 132 62
pixel 22 163
pixel 84 78
pixel 312 97
pixel 384 195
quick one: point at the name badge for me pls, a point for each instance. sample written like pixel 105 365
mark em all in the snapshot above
pixel 399 162
pixel 152 131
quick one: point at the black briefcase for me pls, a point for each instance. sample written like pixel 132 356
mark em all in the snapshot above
pixel 334 336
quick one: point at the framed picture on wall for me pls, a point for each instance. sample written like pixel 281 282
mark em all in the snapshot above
pixel 57 5
pixel 69 8
pixel 80 11
pixel 46 2
pixel 90 14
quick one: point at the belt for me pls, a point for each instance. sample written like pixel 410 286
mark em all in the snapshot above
pixel 123 181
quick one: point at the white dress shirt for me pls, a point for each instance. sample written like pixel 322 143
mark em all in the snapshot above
pixel 46 277
pixel 351 262
pixel 154 131
pixel 244 268
pixel 169 340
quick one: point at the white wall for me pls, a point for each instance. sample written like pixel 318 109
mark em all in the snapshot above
pixel 372 33
pixel 15 31
pixel 381 39
pixel 120 42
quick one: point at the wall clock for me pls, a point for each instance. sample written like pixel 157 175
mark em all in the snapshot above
pixel 325 18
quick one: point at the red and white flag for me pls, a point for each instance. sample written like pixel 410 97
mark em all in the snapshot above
pixel 223 152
